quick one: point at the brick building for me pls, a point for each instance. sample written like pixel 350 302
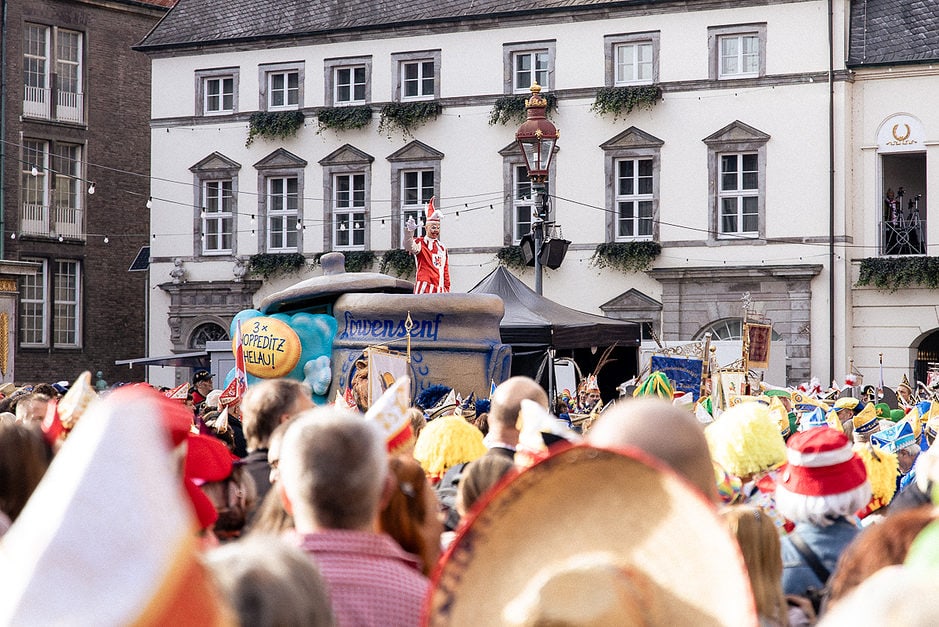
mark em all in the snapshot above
pixel 76 164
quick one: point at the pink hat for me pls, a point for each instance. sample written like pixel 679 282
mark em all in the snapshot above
pixel 432 214
pixel 821 463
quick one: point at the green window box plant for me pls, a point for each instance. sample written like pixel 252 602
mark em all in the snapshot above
pixel 405 117
pixel 512 258
pixel 273 125
pixel 511 109
pixel 356 260
pixel 398 262
pixel 270 265
pixel 893 273
pixel 343 118
pixel 626 257
pixel 621 101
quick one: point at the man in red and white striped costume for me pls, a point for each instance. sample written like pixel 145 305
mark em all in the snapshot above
pixel 433 265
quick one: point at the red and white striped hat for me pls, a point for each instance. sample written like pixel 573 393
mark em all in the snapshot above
pixel 433 215
pixel 821 462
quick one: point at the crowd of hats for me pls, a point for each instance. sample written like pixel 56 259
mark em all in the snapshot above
pixel 573 534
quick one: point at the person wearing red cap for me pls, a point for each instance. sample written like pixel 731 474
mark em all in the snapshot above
pixel 819 489
pixel 433 264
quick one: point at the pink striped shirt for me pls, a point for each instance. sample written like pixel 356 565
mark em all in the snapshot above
pixel 371 580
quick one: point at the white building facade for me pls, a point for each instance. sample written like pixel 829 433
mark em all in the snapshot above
pixel 739 171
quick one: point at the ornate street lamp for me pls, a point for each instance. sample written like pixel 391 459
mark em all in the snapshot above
pixel 536 139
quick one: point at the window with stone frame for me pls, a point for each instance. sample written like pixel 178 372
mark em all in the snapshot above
pixel 632 165
pixel 737 168
pixel 348 81
pixel 418 75
pixel 215 221
pixel 526 63
pixel 632 59
pixel 737 51
pixel 415 179
pixel 217 91
pixel 281 86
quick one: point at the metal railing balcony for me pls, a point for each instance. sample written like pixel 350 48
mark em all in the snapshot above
pixel 69 105
pixel 903 236
pixel 52 222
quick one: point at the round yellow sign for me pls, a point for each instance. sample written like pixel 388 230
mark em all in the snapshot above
pixel 271 347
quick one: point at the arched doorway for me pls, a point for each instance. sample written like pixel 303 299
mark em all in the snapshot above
pixel 927 354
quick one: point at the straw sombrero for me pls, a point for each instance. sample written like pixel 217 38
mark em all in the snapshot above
pixel 590 536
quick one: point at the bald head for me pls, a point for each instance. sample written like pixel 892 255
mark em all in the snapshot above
pixel 507 399
pixel 672 435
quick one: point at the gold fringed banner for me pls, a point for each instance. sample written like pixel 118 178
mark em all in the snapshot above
pixel 4 342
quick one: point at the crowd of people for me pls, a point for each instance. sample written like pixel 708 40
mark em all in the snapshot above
pixel 443 509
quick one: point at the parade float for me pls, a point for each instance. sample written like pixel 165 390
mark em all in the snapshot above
pixel 326 329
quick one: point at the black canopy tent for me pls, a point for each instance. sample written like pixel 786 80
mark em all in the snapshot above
pixel 535 325
pixel 533 320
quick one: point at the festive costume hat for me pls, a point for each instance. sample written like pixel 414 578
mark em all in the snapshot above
pixel 866 423
pixel 539 430
pixel 180 392
pixel 62 416
pixel 882 410
pixel 821 462
pixel 445 442
pixel 467 408
pixel 517 552
pixel 390 412
pixel 656 384
pixel 433 215
pixel 905 383
pixel 847 402
pixel 895 438
pixel 111 492
pixel 745 440
pixel 777 412
pixel 446 406
pixel 896 415
pixel 882 469
pixel 813 419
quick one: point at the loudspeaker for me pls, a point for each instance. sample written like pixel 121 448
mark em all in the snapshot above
pixel 527 244
pixel 553 251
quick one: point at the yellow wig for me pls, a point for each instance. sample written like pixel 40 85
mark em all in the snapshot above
pixel 882 469
pixel 745 440
pixel 446 442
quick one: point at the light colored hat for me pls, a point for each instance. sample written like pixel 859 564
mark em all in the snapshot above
pixel 76 504
pixel 180 392
pixel 518 553
pixel 211 400
pixel 905 383
pixel 7 388
pixel 896 438
pixel 846 402
pixel 538 429
pixel 389 412
pixel 444 407
pixel 813 419
pixel 866 423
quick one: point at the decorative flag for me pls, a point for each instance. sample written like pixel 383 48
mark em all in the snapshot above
pixel 113 491
pixel 389 412
pixel 241 370
pixel 492 388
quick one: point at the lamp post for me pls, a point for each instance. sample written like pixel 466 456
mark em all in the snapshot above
pixel 536 139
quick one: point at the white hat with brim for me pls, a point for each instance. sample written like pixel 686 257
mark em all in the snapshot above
pixel 643 537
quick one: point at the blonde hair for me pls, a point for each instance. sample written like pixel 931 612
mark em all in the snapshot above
pixel 758 538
